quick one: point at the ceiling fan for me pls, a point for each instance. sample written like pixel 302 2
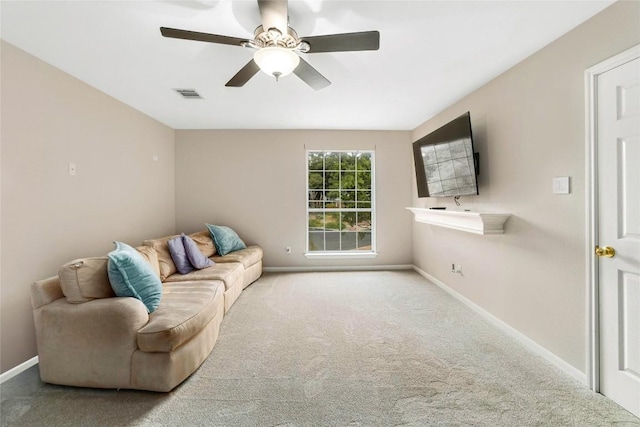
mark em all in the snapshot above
pixel 277 46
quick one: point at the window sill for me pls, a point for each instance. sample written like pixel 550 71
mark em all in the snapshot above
pixel 340 255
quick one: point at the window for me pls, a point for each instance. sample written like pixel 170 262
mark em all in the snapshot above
pixel 340 202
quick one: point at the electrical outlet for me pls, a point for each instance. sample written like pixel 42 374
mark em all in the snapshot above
pixel 72 169
pixel 456 269
pixel 287 249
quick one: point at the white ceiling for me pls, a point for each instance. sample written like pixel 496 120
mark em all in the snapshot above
pixel 432 53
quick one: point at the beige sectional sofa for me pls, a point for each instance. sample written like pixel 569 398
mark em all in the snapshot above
pixel 88 337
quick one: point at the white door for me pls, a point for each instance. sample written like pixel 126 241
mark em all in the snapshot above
pixel 618 177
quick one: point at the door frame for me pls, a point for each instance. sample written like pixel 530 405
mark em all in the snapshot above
pixel 591 199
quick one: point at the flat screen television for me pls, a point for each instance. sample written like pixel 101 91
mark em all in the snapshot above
pixel 446 162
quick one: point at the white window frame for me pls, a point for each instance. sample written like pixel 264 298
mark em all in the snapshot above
pixel 347 254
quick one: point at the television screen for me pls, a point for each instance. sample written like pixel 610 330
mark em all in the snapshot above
pixel 445 160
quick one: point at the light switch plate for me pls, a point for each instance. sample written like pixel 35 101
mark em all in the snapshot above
pixel 561 185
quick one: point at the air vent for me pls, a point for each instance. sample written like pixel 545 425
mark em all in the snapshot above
pixel 188 93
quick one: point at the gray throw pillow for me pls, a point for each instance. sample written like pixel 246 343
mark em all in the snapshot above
pixel 179 255
pixel 194 254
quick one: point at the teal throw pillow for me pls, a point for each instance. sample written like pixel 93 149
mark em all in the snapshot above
pixel 225 239
pixel 131 275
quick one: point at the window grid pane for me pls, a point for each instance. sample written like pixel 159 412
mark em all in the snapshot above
pixel 340 209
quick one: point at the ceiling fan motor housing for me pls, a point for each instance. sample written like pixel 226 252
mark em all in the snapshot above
pixel 273 37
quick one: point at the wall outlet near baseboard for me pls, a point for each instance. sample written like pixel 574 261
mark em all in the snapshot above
pixel 456 269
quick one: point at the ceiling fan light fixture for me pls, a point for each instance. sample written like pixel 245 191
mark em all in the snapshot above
pixel 276 61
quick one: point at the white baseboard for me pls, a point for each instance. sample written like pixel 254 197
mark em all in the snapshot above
pixel 337 268
pixel 18 369
pixel 523 339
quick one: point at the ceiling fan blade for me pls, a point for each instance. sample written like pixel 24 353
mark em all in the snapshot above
pixel 201 37
pixel 244 75
pixel 310 75
pixel 366 40
pixel 275 14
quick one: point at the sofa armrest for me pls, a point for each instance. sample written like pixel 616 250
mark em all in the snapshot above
pixel 88 344
pixel 45 291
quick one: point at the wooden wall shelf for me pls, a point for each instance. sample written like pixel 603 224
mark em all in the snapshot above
pixel 471 222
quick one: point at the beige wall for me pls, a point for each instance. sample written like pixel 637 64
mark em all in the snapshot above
pixel 254 181
pixel 48 217
pixel 529 125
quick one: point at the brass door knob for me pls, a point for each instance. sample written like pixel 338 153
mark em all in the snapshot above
pixel 607 251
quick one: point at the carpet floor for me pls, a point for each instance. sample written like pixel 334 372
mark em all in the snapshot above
pixel 339 349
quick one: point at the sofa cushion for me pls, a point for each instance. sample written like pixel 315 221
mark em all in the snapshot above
pixel 204 242
pixel 186 308
pixel 179 255
pixel 225 239
pixel 247 257
pixel 229 273
pixel 131 275
pixel 151 256
pixel 194 254
pixel 167 267
pixel 84 279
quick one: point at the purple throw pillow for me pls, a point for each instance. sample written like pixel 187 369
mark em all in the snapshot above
pixel 194 254
pixel 179 255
